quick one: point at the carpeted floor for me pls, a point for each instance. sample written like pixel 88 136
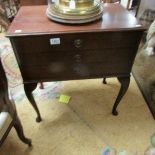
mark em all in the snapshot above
pixel 85 125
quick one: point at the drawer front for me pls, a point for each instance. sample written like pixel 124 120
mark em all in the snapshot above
pixel 72 70
pixel 97 63
pixel 80 56
pixel 74 42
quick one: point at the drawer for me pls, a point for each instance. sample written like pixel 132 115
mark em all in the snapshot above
pixel 72 43
pixel 70 71
pixel 82 56
pixel 85 64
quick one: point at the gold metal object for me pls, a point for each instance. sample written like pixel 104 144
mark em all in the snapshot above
pixel 79 3
pixel 74 11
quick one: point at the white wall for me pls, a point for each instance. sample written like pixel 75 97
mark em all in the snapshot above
pixel 146 4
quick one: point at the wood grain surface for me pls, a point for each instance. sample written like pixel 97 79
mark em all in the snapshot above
pixel 34 21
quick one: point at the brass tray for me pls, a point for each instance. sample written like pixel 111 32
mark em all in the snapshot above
pixel 77 11
pixel 74 16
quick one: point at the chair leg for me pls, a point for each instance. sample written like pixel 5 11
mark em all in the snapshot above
pixel 9 106
pixel 20 132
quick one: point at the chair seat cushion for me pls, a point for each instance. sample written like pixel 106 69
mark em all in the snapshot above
pixel 5 121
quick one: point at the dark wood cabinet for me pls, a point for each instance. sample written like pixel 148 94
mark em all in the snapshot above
pixel 49 51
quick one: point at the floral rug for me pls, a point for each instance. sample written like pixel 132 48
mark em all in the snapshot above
pixel 14 77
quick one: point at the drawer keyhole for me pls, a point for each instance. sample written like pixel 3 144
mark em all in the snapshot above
pixel 78 43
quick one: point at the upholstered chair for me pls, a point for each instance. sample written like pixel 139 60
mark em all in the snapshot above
pixel 8 113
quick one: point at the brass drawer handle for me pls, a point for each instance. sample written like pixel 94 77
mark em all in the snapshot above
pixel 78 43
pixel 77 58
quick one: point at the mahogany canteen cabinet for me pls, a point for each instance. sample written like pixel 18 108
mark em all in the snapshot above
pixel 50 51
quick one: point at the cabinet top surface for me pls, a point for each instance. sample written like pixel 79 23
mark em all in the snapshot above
pixel 32 20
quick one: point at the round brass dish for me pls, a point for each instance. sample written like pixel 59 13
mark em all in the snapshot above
pixel 79 3
pixel 75 11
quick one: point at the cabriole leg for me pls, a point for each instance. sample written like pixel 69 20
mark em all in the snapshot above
pixel 104 81
pixel 29 87
pixel 124 81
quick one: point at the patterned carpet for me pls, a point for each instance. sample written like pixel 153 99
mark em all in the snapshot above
pixel 85 126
